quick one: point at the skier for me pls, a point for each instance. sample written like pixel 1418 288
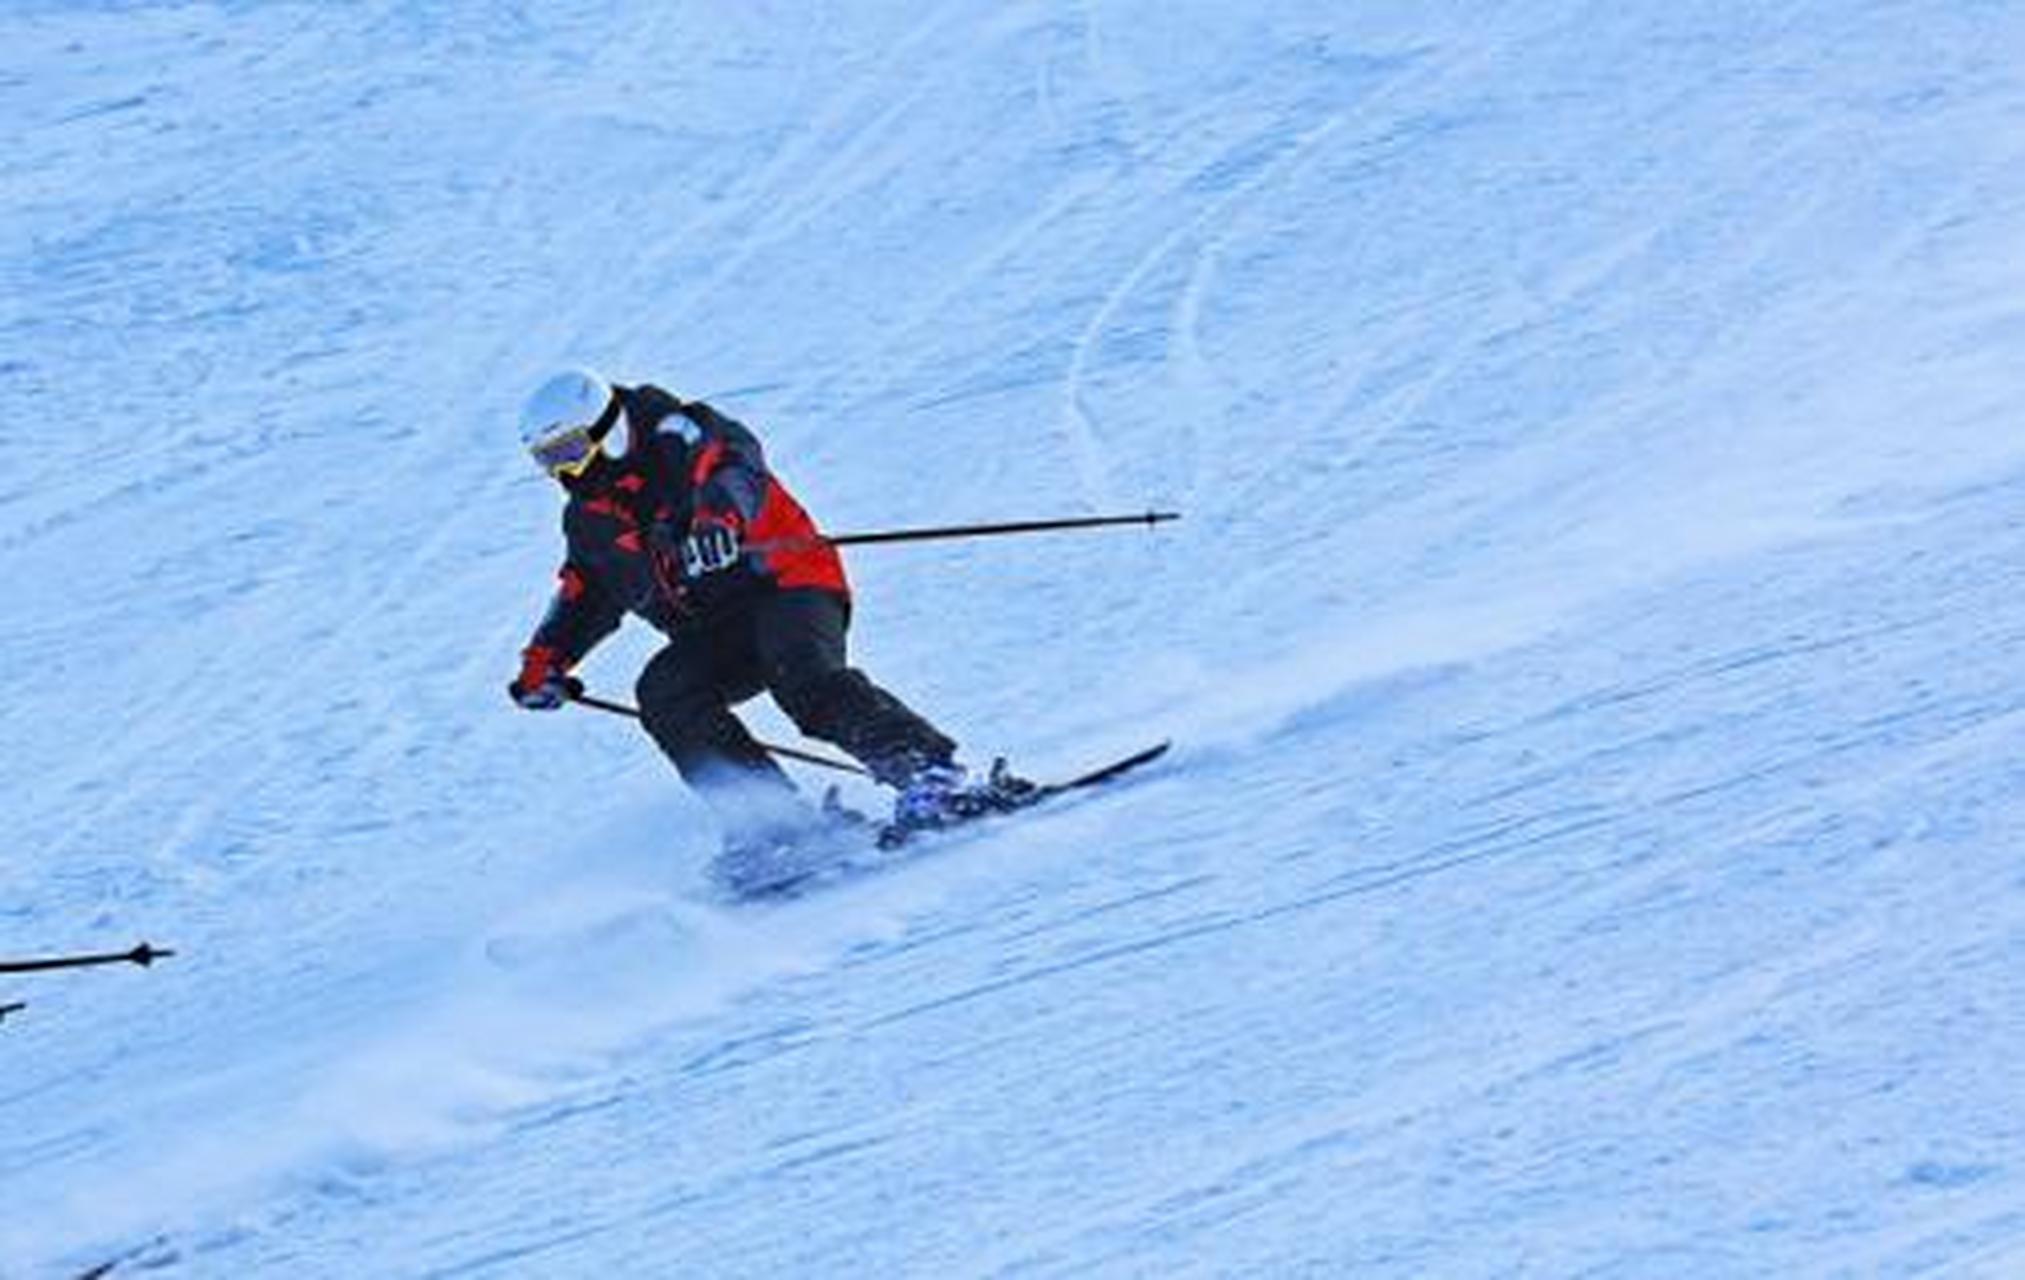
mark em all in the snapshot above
pixel 672 514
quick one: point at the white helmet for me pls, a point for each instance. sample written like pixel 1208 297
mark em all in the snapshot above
pixel 568 421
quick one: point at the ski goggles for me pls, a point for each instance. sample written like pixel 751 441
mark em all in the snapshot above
pixel 566 452
pixel 569 451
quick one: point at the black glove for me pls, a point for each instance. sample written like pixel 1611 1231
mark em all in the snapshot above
pixel 711 546
pixel 542 684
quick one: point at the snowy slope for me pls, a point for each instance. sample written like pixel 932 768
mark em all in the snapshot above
pixel 1595 642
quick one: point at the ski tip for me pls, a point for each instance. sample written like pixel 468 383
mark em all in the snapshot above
pixel 1147 755
pixel 1124 764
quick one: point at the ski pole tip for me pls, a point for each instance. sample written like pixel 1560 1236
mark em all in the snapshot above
pixel 145 954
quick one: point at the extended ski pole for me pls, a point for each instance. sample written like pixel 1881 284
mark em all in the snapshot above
pixel 789 753
pixel 941 532
pixel 143 955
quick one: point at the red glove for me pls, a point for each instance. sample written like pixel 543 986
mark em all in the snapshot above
pixel 543 685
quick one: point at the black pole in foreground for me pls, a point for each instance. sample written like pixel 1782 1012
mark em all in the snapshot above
pixel 143 955
pixel 789 753
pixel 13 1006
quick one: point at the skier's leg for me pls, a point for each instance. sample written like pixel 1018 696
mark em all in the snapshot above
pixel 685 694
pixel 799 635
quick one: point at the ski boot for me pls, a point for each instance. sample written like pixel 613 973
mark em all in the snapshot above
pixel 944 794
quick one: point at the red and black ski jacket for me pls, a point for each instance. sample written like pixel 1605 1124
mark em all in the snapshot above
pixel 627 518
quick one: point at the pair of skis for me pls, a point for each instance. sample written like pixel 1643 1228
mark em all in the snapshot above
pixel 894 837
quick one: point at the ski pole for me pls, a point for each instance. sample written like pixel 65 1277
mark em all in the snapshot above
pixel 143 955
pixel 12 1006
pixel 789 753
pixel 941 532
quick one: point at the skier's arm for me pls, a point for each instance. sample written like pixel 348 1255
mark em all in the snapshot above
pixel 727 469
pixel 581 614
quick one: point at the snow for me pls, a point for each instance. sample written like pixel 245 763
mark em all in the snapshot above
pixel 1594 643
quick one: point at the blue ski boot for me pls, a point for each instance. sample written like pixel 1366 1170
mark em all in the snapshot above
pixel 944 793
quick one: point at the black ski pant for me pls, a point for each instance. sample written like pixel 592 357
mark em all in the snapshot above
pixel 790 644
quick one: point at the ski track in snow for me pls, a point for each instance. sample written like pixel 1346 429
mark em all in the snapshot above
pixel 1594 643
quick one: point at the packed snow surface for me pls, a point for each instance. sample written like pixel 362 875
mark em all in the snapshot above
pixel 1595 645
